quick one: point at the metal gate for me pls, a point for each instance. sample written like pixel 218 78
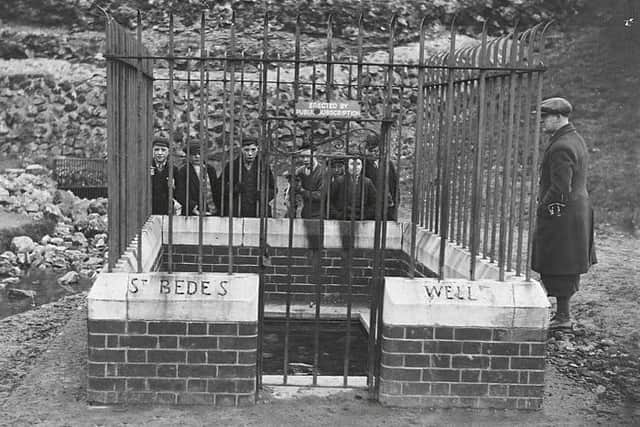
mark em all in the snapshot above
pixel 456 125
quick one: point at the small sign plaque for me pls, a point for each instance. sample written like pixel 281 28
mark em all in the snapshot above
pixel 328 110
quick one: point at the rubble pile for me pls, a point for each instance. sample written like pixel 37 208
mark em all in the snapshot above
pixel 78 243
pixel 590 357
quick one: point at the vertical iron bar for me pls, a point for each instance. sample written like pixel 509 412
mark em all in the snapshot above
pixel 506 173
pixel 226 139
pixel 495 161
pixel 142 172
pixel 318 251
pixel 264 153
pixel 444 213
pixel 171 148
pixel 476 192
pixel 454 166
pixel 112 159
pixel 518 165
pixel 516 170
pixel 534 171
pixel 203 171
pixel 291 210
pixel 417 152
pixel 232 109
pixel 525 155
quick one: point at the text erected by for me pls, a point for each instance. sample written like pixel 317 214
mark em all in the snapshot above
pixel 329 110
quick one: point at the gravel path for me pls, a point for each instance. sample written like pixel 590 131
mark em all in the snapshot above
pixel 25 336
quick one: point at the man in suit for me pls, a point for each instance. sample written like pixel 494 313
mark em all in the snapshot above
pixel 371 166
pixel 245 182
pixel 159 171
pixel 563 238
pixel 193 175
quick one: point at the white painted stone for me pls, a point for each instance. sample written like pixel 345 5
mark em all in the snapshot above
pixel 107 297
pixel 176 296
pixel 456 302
pixel 246 232
pixel 528 298
pixel 215 230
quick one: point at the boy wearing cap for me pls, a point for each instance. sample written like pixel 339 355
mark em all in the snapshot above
pixel 191 172
pixel 372 148
pixel 159 171
pixel 245 183
pixel 563 238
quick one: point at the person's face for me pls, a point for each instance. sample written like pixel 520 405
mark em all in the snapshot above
pixel 373 150
pixel 305 155
pixel 355 167
pixel 549 122
pixel 194 158
pixel 160 153
pixel 249 152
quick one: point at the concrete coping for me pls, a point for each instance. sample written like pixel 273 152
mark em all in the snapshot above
pixel 208 297
pixel 465 303
pixel 246 232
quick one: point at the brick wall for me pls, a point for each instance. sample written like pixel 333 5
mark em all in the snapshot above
pixel 172 362
pixel 462 367
pixel 332 278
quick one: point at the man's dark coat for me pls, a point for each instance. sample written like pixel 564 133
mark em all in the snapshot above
pixel 193 199
pixel 312 190
pixel 563 245
pixel 245 189
pixel 344 189
pixel 160 189
pixel 371 171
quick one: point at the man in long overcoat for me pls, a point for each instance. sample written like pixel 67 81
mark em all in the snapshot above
pixel 563 238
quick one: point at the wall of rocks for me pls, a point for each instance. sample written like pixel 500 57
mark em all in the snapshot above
pixel 42 117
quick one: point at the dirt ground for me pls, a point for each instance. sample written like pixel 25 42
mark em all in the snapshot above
pixel 53 391
pixel 53 395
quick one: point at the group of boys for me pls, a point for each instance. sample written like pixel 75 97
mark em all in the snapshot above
pixel 188 199
pixel 349 195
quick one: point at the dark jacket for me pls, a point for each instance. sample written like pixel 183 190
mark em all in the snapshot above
pixel 160 189
pixel 371 172
pixel 193 199
pixel 311 190
pixel 344 190
pixel 245 187
pixel 563 245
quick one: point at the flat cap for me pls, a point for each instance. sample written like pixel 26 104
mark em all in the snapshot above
pixel 249 140
pixel 161 140
pixel 556 106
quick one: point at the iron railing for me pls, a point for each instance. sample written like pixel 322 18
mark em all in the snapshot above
pixel 457 124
